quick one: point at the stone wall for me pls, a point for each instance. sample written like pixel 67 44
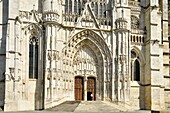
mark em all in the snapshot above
pixel 135 95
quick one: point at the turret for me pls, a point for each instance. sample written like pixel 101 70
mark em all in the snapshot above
pixel 51 18
pixel 51 12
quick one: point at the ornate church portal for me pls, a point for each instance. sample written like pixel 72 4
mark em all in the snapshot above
pixel 53 51
pixel 88 71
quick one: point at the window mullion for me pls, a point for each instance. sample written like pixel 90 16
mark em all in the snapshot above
pixel 34 59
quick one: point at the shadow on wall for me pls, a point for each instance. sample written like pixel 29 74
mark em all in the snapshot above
pixel 3 36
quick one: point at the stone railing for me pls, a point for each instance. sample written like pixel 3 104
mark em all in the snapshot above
pixel 137 31
pixel 50 16
pixel 104 21
pixel 71 19
pixel 134 3
pixel 121 23
pixel 137 39
pixel 25 14
pixel 28 15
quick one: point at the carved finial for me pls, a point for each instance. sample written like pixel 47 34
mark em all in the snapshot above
pixel 51 4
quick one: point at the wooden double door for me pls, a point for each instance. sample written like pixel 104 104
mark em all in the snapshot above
pixel 79 88
pixel 81 91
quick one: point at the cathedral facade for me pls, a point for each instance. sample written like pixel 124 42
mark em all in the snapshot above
pixel 53 51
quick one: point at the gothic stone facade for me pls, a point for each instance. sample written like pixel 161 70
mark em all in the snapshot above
pixel 53 51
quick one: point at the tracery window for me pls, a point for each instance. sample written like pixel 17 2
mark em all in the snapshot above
pixel 134 22
pixel 79 7
pixel 101 8
pixel 92 5
pixel 70 6
pixel 135 67
pixel 104 11
pixel 96 9
pixel 75 6
pixel 66 6
pixel 33 58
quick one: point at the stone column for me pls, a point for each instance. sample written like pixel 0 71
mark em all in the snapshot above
pixel 104 80
pixel 85 86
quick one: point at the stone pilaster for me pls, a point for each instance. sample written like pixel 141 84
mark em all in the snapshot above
pixel 13 69
pixel 154 62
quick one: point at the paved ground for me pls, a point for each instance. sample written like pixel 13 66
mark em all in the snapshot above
pixel 87 107
pixel 68 106
pixel 95 106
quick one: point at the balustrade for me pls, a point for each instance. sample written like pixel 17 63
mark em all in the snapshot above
pixel 137 39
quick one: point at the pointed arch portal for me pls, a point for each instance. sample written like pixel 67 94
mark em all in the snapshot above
pixel 91 61
pixel 86 69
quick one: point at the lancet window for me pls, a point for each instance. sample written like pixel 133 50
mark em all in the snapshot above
pixel 135 67
pixel 33 58
pixel 136 70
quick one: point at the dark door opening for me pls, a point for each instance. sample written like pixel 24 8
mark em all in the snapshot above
pixel 91 90
pixel 89 96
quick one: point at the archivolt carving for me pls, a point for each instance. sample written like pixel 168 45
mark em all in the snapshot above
pixel 87 34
